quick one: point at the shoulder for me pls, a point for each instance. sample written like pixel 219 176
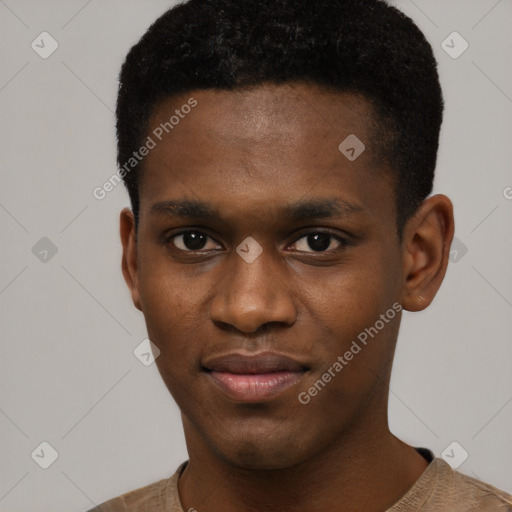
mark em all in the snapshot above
pixel 144 498
pixel 161 495
pixel 456 491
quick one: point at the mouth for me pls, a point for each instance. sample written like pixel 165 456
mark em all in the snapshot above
pixel 254 378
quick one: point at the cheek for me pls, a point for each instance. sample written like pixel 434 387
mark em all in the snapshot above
pixel 345 306
pixel 350 296
pixel 173 312
pixel 354 349
pixel 176 332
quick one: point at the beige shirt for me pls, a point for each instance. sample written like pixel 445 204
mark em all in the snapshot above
pixel 439 489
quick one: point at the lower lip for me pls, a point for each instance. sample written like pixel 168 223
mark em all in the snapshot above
pixel 255 387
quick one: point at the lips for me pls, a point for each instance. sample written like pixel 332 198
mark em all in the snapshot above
pixel 255 377
pixel 264 362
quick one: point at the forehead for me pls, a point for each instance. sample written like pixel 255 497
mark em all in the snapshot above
pixel 269 112
pixel 263 145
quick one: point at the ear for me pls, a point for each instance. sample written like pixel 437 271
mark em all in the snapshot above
pixel 426 242
pixel 129 260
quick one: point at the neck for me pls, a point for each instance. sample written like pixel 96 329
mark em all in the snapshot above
pixel 363 470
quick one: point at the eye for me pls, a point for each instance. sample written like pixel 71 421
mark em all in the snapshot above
pixel 189 241
pixel 319 241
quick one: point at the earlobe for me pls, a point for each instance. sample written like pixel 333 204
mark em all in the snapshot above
pixel 129 261
pixel 426 248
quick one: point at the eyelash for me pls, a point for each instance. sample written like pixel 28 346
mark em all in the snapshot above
pixel 343 242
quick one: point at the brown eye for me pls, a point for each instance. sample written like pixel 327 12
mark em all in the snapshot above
pixel 319 241
pixel 192 241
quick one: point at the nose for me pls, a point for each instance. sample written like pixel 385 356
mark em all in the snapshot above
pixel 252 295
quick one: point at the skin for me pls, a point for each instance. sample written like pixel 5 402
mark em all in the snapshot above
pixel 248 154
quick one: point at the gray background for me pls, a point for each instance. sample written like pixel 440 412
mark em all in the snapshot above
pixel 68 327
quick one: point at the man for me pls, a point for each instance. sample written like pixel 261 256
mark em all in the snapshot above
pixel 279 157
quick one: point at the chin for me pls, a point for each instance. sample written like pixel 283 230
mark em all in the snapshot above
pixel 254 460
pixel 260 452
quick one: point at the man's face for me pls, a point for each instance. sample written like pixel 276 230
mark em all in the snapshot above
pixel 265 164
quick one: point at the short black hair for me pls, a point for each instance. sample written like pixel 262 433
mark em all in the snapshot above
pixel 358 46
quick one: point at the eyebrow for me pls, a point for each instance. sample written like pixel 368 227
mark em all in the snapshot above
pixel 298 211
